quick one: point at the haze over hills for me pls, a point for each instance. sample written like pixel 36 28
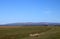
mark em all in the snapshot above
pixel 32 24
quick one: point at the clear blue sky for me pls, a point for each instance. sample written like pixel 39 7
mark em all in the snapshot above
pixel 29 11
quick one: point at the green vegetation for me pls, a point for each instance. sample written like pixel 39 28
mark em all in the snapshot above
pixel 46 32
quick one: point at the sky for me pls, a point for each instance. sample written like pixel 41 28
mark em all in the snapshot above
pixel 12 11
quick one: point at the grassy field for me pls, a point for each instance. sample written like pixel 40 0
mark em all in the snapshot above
pixel 45 32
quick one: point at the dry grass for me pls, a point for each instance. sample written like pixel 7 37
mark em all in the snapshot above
pixel 23 32
pixel 10 26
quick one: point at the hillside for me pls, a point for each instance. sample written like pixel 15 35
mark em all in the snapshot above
pixel 32 24
pixel 24 32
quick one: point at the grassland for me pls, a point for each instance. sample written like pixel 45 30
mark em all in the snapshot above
pixel 17 32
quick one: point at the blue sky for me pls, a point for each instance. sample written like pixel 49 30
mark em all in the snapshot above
pixel 12 11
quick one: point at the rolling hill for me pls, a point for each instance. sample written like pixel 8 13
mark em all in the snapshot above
pixel 33 24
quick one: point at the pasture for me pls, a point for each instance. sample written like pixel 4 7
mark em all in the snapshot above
pixel 23 32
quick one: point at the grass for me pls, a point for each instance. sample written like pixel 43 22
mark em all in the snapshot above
pixel 46 32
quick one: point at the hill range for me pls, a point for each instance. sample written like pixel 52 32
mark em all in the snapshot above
pixel 33 24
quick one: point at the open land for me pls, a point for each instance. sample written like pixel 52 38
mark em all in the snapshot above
pixel 23 32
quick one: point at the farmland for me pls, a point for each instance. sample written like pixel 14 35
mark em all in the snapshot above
pixel 23 32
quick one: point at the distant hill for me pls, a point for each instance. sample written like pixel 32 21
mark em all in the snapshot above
pixel 32 24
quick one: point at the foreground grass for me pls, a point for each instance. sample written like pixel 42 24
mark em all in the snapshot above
pixel 46 32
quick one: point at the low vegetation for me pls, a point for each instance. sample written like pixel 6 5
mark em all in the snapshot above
pixel 30 32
